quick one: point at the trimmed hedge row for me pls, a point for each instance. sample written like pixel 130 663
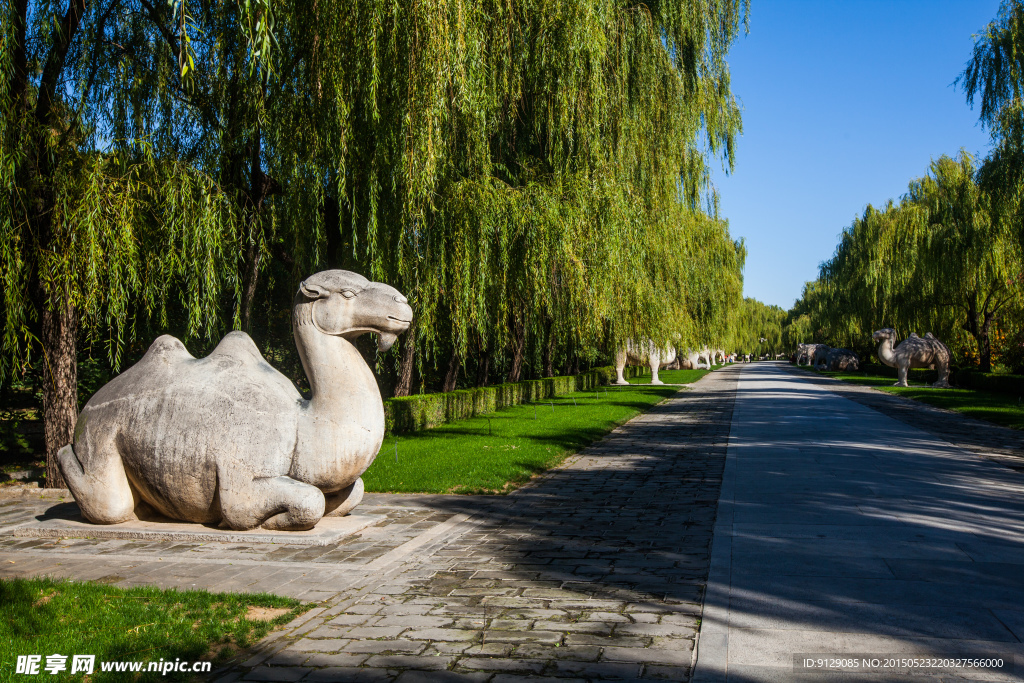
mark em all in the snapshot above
pixel 969 378
pixel 965 378
pixel 404 414
pixel 915 375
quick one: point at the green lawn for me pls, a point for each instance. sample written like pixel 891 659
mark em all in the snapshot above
pixel 46 617
pixel 1001 409
pixel 497 452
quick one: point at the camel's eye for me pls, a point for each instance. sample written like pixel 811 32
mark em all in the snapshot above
pixel 348 293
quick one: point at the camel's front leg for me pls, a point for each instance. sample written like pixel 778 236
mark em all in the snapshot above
pixel 655 361
pixel 271 502
pixel 345 500
pixel 901 372
pixel 620 366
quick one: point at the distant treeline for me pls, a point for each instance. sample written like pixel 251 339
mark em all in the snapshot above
pixel 947 257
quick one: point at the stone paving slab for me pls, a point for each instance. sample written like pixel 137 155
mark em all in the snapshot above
pixel 595 571
pixel 853 532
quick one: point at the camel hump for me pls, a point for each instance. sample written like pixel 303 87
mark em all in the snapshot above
pixel 929 335
pixel 913 335
pixel 239 346
pixel 162 361
pixel 166 349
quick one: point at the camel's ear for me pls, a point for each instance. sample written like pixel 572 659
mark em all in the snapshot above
pixel 311 291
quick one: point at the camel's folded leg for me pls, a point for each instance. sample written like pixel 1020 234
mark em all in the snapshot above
pixel 97 481
pixel 271 502
pixel 345 500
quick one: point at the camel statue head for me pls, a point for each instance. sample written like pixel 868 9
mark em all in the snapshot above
pixel 345 304
pixel 884 333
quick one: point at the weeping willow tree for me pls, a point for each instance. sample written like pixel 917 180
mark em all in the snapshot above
pixel 994 78
pixel 100 218
pixel 941 260
pixel 533 173
pixel 758 328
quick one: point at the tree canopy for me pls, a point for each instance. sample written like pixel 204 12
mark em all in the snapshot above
pixel 533 174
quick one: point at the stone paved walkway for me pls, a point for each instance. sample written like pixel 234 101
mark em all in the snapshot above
pixel 596 571
pixel 842 531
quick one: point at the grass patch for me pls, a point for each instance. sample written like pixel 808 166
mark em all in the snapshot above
pixel 495 453
pixel 1001 409
pixel 46 617
pixel 672 376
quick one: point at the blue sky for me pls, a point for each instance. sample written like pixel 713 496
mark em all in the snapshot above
pixel 844 102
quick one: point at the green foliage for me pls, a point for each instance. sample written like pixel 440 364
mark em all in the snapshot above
pixel 532 174
pixel 968 378
pixel 754 322
pixel 45 616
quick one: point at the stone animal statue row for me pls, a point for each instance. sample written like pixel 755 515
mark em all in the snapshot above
pixel 912 352
pixel 826 357
pixel 645 352
pixel 228 440
pixel 658 358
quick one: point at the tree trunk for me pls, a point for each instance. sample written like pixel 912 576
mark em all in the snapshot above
pixel 549 351
pixel 19 74
pixel 980 332
pixel 60 385
pixel 483 369
pixel 407 364
pixel 985 344
pixel 453 373
pixel 518 349
pixel 250 278
pixel 261 186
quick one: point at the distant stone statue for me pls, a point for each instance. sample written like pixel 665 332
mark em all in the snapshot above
pixel 691 361
pixel 842 360
pixel 819 357
pixel 229 440
pixel 643 353
pixel 801 353
pixel 914 352
pixel 812 354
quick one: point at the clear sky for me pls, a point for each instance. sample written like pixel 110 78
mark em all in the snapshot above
pixel 844 102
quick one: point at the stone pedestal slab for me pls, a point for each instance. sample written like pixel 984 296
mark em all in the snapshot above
pixel 328 531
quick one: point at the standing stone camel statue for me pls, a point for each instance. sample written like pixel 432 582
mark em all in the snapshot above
pixel 914 352
pixel 644 353
pixel 229 440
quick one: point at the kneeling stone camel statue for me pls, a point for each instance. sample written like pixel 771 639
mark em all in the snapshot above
pixel 913 352
pixel 644 353
pixel 229 440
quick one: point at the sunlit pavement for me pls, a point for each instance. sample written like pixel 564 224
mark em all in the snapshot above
pixel 841 531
